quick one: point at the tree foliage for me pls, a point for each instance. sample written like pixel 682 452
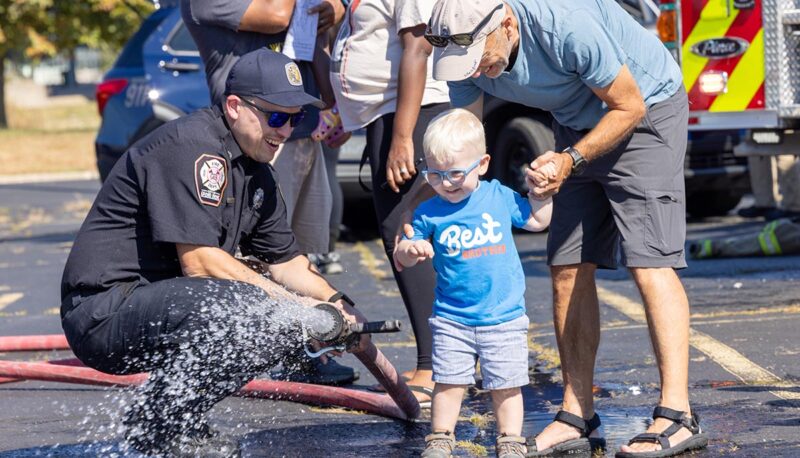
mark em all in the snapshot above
pixel 34 29
pixel 41 28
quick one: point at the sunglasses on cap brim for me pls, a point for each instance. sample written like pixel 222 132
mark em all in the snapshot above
pixel 460 39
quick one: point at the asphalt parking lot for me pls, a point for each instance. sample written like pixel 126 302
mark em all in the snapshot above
pixel 744 373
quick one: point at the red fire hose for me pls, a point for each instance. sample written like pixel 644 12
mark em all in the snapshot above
pixel 404 407
pixel 34 343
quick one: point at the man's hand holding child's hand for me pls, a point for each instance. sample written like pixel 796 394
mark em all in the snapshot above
pixel 410 252
pixel 540 177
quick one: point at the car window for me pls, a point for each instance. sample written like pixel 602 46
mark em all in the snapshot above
pixel 131 55
pixel 181 41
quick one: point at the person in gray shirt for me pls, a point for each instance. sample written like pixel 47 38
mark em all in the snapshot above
pixel 224 30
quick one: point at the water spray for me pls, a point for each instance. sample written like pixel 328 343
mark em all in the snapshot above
pixel 337 334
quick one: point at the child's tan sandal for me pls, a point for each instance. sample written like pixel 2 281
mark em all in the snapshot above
pixel 510 446
pixel 439 445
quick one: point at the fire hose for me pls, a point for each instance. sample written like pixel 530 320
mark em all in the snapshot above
pixel 400 403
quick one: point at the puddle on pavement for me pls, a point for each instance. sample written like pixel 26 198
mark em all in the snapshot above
pixel 351 436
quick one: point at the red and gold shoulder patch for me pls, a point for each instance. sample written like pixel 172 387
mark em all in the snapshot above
pixel 210 178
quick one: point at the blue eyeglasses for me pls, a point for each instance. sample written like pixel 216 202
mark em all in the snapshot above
pixel 454 176
pixel 277 119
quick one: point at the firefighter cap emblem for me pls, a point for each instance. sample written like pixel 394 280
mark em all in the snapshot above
pixel 293 74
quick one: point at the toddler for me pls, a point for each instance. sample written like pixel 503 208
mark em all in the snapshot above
pixel 479 308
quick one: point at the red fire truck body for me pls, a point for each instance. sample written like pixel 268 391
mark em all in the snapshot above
pixel 740 61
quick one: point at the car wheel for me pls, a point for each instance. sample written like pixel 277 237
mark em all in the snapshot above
pixel 518 143
pixel 711 203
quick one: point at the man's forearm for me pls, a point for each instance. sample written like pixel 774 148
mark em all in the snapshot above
pixel 297 275
pixel 626 109
pixel 200 261
pixel 614 127
pixel 267 16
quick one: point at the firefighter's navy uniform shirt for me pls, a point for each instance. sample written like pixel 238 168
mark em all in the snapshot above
pixel 188 182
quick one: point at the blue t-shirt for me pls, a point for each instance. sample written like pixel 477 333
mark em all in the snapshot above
pixel 566 48
pixel 479 278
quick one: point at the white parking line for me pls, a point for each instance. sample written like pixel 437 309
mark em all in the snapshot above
pixel 48 177
pixel 8 299
pixel 728 358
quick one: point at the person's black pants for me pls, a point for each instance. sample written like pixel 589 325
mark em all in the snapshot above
pixel 200 339
pixel 417 283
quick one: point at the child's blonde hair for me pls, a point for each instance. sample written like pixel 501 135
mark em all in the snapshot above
pixel 453 133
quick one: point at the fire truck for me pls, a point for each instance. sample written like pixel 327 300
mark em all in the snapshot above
pixel 741 67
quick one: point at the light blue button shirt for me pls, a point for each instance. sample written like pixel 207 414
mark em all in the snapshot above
pixel 568 47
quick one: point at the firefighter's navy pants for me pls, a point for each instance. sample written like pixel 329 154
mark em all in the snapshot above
pixel 201 340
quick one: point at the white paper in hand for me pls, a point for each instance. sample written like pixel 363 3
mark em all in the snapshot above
pixel 302 34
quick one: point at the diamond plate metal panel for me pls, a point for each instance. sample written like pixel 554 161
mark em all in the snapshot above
pixel 787 46
pixel 773 50
pixel 791 17
pixel 790 111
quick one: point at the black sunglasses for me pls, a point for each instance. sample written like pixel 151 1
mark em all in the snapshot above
pixel 460 39
pixel 277 119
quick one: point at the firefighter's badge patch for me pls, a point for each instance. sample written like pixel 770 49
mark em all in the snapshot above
pixel 293 74
pixel 210 177
pixel 258 198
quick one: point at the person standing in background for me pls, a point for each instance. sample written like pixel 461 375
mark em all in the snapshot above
pixel 380 71
pixel 771 177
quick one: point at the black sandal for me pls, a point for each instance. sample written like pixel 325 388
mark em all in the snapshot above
pixel 697 440
pixel 583 446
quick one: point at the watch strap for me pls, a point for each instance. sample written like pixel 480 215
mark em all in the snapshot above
pixel 340 295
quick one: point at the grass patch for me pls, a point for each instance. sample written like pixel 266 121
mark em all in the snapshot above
pixel 58 138
pixel 472 448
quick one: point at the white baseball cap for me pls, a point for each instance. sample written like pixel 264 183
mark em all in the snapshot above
pixel 472 18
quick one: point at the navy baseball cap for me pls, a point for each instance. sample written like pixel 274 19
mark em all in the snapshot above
pixel 271 77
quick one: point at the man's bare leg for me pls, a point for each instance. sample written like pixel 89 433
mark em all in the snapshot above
pixel 667 310
pixel 576 317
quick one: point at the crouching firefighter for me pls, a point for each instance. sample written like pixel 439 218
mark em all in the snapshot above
pixel 152 284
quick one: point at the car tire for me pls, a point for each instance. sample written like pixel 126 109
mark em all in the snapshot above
pixel 519 142
pixel 711 203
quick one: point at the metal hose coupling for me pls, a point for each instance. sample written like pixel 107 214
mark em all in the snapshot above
pixel 338 334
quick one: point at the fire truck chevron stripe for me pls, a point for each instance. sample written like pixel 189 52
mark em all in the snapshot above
pixel 714 22
pixel 757 102
pixel 690 16
pixel 745 80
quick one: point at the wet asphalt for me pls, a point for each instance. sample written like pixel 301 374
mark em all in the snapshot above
pixel 744 372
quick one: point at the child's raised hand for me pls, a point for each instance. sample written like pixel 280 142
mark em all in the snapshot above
pixel 421 250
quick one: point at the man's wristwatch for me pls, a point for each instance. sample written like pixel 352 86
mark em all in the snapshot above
pixel 578 162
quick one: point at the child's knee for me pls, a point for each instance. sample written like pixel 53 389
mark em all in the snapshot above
pixel 506 393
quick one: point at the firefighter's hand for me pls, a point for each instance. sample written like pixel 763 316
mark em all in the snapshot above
pixel 543 189
pixel 352 315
